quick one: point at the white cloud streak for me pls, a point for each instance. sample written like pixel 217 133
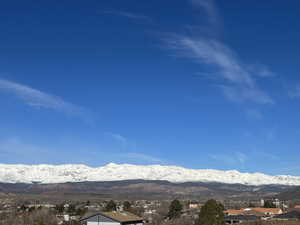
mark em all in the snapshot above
pixel 118 137
pixel 254 114
pixel 129 15
pixel 294 93
pixel 209 7
pixel 239 83
pixel 238 80
pixel 231 159
pixel 141 157
pixel 39 99
pixel 261 70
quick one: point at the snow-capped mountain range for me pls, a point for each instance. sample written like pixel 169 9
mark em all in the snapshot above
pixel 116 172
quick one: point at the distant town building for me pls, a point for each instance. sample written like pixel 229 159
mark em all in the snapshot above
pixel 194 205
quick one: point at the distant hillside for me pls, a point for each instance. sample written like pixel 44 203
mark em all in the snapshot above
pixel 290 194
pixel 143 189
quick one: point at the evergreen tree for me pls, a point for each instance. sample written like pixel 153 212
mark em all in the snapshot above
pixel 175 209
pixel 40 223
pixel 111 206
pixel 269 204
pixel 81 211
pixel 31 209
pixel 23 208
pixel 60 208
pixel 71 209
pixel 126 206
pixel 211 214
pixel 251 205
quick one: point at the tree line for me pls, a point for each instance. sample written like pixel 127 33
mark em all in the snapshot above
pixel 211 213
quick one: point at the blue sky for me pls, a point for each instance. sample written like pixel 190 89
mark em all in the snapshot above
pixel 194 83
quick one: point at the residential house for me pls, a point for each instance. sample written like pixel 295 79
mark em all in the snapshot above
pixel 112 218
pixel 268 211
pixel 292 215
pixel 234 219
pixel 263 212
pixel 232 212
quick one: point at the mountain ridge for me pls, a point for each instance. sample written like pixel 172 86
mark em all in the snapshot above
pixel 44 173
pixel 140 189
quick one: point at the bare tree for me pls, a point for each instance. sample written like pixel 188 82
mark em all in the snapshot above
pixel 38 217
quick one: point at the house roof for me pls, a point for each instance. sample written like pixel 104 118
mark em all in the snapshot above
pixel 121 217
pixel 253 211
pixel 267 210
pixel 293 209
pixel 241 217
pixel 289 215
pixel 234 211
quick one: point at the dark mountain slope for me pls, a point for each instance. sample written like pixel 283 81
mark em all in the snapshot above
pixel 293 194
pixel 149 189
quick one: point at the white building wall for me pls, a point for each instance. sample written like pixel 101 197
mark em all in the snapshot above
pixel 101 223
pixel 135 224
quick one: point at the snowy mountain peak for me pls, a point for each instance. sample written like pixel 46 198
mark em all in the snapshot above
pixel 115 172
pixel 111 164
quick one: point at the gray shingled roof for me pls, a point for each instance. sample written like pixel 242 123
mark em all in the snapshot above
pixel 121 217
pixel 289 215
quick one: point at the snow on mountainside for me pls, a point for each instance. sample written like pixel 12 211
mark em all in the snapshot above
pixel 115 172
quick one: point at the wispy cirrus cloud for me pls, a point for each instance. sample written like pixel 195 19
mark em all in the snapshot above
pixel 139 157
pixel 210 8
pixel 16 150
pixel 20 150
pixel 38 99
pixel 230 159
pixel 129 15
pixel 118 137
pixel 254 114
pixel 238 82
pixel 236 79
pixel 294 92
pixel 260 70
pixel 238 93
pixel 132 155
